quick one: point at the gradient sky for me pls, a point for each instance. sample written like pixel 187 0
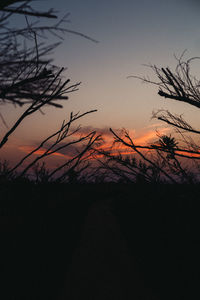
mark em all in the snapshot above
pixel 130 33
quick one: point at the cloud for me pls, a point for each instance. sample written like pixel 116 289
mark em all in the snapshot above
pixel 41 151
pixel 104 131
pixel 154 125
pixel 107 144
pixel 150 136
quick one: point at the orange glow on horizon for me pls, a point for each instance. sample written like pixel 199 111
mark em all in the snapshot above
pixel 16 150
pixel 149 136
pixel 189 154
pixel 107 145
pixel 141 140
pixel 28 149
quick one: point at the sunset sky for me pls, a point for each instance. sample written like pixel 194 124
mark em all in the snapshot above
pixel 130 33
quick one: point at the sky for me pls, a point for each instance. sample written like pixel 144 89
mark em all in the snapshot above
pixel 130 34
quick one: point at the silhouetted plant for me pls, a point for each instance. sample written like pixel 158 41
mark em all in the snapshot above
pixel 126 168
pixel 165 159
pixel 5 174
pixel 57 142
pixel 28 77
pixel 41 173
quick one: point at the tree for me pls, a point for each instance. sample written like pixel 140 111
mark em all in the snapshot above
pixel 30 80
pixel 165 159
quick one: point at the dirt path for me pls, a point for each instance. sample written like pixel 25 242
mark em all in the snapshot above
pixel 102 268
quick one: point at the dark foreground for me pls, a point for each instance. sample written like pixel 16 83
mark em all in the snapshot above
pixel 42 229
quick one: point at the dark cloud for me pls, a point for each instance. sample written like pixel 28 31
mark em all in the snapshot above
pixel 72 150
pixel 99 130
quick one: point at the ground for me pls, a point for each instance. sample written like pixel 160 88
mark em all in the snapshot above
pixel 102 267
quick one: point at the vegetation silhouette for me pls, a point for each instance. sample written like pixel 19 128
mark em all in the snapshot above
pixel 155 200
pixel 172 158
pixel 30 80
pixel 39 235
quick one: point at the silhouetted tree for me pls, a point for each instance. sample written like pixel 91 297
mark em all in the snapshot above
pixel 165 159
pixel 28 78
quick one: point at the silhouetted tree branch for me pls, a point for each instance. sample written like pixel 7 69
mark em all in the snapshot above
pixel 78 163
pixel 179 85
pixel 168 155
pixel 28 77
pixel 128 142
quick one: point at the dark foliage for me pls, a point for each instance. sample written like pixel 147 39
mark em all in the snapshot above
pixel 30 80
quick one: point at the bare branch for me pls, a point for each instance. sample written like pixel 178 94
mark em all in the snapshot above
pixel 135 148
pixel 59 135
pixel 29 13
